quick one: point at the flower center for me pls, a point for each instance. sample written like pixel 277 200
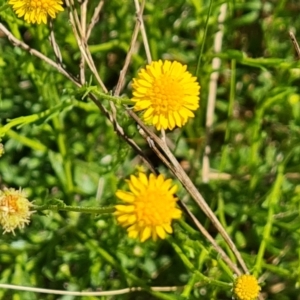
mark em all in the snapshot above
pixel 9 204
pixel 154 208
pixel 166 94
pixel 246 287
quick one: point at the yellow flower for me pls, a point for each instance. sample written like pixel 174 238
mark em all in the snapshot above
pixel 150 207
pixel 246 287
pixel 36 11
pixel 1 149
pixel 167 94
pixel 14 209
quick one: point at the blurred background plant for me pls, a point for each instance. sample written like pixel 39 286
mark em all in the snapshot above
pixel 58 145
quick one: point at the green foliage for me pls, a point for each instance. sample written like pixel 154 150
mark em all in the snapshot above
pixel 59 145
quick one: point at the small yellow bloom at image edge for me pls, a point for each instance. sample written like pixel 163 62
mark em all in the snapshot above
pixel 14 209
pixel 148 208
pixel 36 11
pixel 246 287
pixel 1 149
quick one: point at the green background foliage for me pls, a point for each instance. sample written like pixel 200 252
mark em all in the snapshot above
pixel 58 145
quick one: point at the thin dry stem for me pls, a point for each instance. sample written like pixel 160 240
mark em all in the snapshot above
pixel 216 64
pixel 54 44
pixel 123 72
pixel 295 43
pixel 143 30
pixel 159 154
pixel 77 30
pixel 98 293
pixel 206 234
pixel 83 10
pixel 95 19
pixel 75 19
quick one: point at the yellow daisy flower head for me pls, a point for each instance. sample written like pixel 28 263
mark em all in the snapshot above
pixel 36 11
pixel 1 149
pixel 246 287
pixel 14 209
pixel 149 207
pixel 167 94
